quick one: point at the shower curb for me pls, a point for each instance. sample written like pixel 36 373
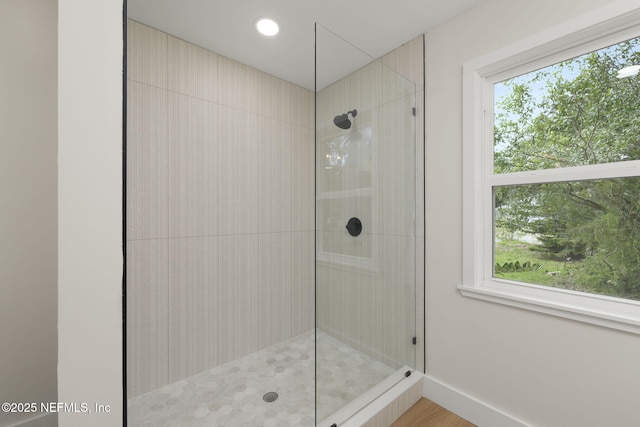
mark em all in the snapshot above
pixel 388 407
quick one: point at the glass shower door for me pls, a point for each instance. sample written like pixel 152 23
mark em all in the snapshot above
pixel 365 227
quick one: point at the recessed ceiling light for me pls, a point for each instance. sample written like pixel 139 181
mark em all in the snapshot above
pixel 629 71
pixel 267 27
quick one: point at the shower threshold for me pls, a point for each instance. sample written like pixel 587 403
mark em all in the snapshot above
pixel 368 404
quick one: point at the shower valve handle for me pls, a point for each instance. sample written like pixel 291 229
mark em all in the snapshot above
pixel 354 227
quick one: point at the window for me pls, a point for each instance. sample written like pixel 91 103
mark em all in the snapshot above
pixel 552 172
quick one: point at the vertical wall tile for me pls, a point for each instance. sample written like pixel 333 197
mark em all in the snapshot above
pixel 322 114
pixel 419 164
pixel 193 167
pixel 419 303
pixel 397 147
pixel 147 316
pixel 323 297
pixel 281 100
pixel 367 306
pixel 238 85
pixel 275 139
pixel 274 97
pixel 332 296
pixel 408 61
pixel 192 70
pixel 239 296
pixel 366 87
pixel 195 180
pixel 302 282
pixel 146 55
pixel 395 86
pixel 274 288
pixel 383 92
pixel 302 107
pixel 147 149
pixel 398 316
pixel 193 287
pixel 238 178
pixel 302 178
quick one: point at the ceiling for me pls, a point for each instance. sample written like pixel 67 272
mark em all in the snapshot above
pixel 228 28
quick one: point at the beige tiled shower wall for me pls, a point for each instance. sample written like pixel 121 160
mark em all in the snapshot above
pixel 408 60
pixel 370 289
pixel 220 209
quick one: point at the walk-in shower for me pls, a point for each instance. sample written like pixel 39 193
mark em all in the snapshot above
pixel 272 234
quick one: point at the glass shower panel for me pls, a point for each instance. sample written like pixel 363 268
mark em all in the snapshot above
pixel 365 227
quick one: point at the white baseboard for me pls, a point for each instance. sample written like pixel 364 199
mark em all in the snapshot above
pixel 43 420
pixel 468 407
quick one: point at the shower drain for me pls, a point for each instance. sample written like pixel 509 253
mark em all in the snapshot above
pixel 272 396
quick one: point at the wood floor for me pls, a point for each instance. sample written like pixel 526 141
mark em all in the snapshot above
pixel 425 413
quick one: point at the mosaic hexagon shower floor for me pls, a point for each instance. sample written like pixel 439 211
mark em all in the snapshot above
pixel 231 395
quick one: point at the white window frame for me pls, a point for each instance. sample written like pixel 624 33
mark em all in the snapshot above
pixel 602 27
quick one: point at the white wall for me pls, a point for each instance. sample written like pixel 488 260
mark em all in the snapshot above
pixel 90 46
pixel 543 370
pixel 28 203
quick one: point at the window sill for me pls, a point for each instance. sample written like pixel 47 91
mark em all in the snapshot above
pixel 614 313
